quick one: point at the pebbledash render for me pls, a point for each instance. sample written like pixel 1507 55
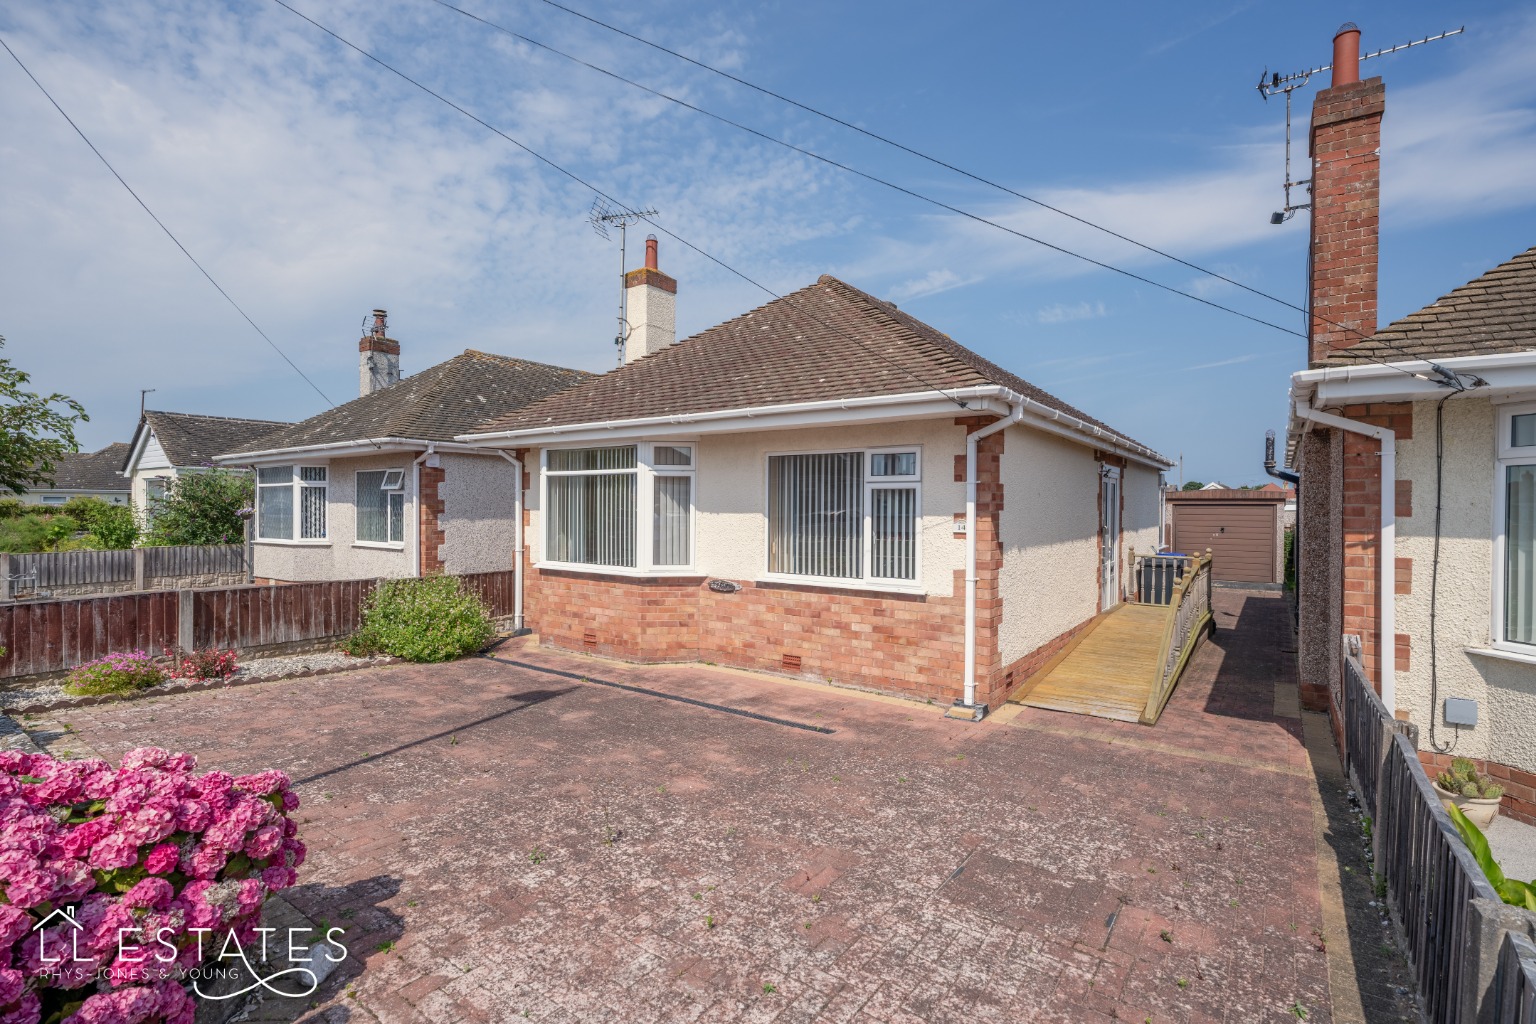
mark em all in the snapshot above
pixel 377 487
pixel 802 490
pixel 1416 451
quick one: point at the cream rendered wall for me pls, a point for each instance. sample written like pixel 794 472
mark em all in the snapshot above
pixel 1142 489
pixel 340 557
pixel 730 524
pixel 1050 534
pixel 479 493
pixel 1505 691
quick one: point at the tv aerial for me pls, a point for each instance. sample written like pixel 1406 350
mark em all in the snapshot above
pixel 1272 84
pixel 603 216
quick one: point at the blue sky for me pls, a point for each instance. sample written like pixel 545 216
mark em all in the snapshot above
pixel 315 186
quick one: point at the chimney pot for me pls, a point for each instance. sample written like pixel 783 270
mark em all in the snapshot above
pixel 650 253
pixel 1346 54
pixel 379 356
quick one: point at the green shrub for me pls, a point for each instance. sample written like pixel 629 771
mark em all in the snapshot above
pixel 116 673
pixel 202 508
pixel 10 508
pixel 427 619
pixel 23 534
pixel 115 527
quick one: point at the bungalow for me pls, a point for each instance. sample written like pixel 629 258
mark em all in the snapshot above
pixel 824 487
pixel 378 486
pixel 1416 450
pixel 166 445
pixel 84 475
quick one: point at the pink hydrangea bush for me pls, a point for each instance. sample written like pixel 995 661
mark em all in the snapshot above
pixel 158 870
pixel 116 673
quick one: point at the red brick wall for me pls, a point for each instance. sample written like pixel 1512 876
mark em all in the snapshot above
pixel 1346 203
pixel 430 526
pixel 1519 800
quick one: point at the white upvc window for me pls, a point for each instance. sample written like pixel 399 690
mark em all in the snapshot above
pixel 845 516
pixel 622 507
pixel 380 504
pixel 1514 545
pixel 290 503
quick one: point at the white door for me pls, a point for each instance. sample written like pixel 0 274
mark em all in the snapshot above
pixel 1109 533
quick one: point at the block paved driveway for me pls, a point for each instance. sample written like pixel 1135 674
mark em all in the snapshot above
pixel 507 842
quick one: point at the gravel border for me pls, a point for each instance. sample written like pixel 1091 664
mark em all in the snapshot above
pixel 51 696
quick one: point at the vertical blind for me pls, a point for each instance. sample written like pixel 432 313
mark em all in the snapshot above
pixel 674 498
pixel 274 503
pixel 592 510
pixel 380 513
pixel 893 533
pixel 816 514
pixel 312 502
pixel 1520 554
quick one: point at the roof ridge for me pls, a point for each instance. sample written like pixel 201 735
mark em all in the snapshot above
pixel 210 416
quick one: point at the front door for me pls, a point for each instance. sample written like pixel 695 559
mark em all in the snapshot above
pixel 1109 534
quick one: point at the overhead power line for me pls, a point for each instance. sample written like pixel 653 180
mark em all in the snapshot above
pixel 642 215
pixel 161 224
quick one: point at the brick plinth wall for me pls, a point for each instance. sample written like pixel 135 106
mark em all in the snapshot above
pixel 1519 800
pixel 431 524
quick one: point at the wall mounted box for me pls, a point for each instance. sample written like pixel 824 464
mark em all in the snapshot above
pixel 1460 711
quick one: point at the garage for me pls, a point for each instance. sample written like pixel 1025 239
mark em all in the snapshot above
pixel 1241 528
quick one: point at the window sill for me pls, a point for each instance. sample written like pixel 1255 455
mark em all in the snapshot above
pixel 663 572
pixel 372 545
pixel 1506 653
pixel 863 586
pixel 278 543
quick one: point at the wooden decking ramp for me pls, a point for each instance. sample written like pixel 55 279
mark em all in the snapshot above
pixel 1125 664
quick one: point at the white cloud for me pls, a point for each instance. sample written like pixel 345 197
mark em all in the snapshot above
pixel 1061 313
pixel 931 283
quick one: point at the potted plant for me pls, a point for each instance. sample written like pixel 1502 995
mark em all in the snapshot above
pixel 1465 787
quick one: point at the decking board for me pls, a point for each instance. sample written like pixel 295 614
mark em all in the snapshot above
pixel 1110 673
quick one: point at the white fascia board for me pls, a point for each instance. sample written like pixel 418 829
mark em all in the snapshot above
pixel 838 412
pixel 1327 386
pixel 366 446
pixel 140 439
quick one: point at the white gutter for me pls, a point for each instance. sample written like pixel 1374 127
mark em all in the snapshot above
pixel 1386 582
pixel 971 579
pixel 517 541
pixel 416 490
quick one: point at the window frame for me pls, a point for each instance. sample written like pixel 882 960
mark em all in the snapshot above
pixel 871 483
pixel 1506 455
pixel 390 494
pixel 645 471
pixel 297 484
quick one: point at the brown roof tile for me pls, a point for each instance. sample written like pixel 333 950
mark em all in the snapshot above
pixel 826 341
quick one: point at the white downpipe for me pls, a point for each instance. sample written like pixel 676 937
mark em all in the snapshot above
pixel 517 540
pixel 970 544
pixel 416 490
pixel 1386 584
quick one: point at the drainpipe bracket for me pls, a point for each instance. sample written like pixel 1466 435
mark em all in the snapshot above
pixel 963 712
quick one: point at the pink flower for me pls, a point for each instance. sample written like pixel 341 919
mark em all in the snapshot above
pixel 276 878
pixel 28 1011
pixel 115 851
pixel 10 985
pixel 264 842
pixel 263 783
pixel 29 888
pixel 14 923
pixel 151 892
pixel 162 859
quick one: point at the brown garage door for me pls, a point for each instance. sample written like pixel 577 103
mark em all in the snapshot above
pixel 1241 535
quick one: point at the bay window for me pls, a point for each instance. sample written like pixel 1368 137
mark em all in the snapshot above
pixel 380 503
pixel 619 506
pixel 1515 545
pixel 844 515
pixel 290 502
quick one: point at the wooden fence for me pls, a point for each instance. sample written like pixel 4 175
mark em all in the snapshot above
pixel 1467 948
pixel 41 637
pixel 36 574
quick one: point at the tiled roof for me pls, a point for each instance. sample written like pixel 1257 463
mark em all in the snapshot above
pixel 1493 314
pixel 827 341
pixel 90 471
pixel 193 440
pixel 442 401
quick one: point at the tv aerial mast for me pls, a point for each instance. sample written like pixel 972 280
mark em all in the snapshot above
pixel 602 216
pixel 1277 84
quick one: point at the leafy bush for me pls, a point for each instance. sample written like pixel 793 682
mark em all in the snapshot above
pixel 201 508
pixel 10 508
pixel 208 663
pixel 116 673
pixel 427 619
pixel 110 526
pixel 1463 779
pixel 157 871
pixel 24 533
pixel 1510 890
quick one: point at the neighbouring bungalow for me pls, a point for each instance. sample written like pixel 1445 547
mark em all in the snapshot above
pixel 95 474
pixel 1416 451
pixel 825 487
pixel 167 445
pixel 378 486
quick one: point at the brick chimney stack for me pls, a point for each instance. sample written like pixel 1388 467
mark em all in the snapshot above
pixel 379 361
pixel 1346 202
pixel 652 310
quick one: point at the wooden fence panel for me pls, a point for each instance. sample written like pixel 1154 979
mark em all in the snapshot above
pixel 50 636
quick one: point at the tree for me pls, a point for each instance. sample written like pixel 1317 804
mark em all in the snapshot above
pixel 1193 485
pixel 35 430
pixel 201 508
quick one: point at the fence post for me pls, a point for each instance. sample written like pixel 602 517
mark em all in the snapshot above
pixel 1487 921
pixel 185 638
pixel 5 577
pixel 138 568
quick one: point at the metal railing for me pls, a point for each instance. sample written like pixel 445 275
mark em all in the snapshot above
pixel 1458 931
pixel 1191 617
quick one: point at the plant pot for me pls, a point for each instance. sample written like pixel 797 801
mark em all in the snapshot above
pixel 1480 812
